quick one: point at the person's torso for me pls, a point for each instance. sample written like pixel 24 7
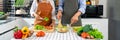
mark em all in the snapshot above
pixel 70 7
pixel 44 10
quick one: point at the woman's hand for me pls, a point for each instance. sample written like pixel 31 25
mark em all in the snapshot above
pixel 52 24
pixel 59 15
pixel 37 16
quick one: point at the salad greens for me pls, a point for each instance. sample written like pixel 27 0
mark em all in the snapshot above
pixel 39 27
pixel 91 31
pixel 96 34
pixel 80 30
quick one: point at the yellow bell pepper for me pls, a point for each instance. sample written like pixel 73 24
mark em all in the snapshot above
pixel 25 30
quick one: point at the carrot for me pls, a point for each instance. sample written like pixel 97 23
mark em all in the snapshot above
pixel 84 34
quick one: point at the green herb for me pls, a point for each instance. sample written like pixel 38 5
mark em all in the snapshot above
pixel 79 30
pixel 16 28
pixel 87 28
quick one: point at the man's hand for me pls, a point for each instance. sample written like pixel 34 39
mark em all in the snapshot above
pixel 74 19
pixel 59 15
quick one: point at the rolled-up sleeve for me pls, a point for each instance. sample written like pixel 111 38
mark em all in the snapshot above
pixel 60 7
pixel 82 6
pixel 33 8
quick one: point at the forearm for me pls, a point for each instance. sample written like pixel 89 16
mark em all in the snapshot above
pixel 59 11
pixel 53 22
pixel 77 14
pixel 34 15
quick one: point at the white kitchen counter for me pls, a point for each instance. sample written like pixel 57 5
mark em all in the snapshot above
pixel 99 23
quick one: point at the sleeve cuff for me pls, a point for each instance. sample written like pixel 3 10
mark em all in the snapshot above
pixel 60 8
pixel 82 10
pixel 32 14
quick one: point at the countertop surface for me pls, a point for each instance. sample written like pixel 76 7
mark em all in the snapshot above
pixel 100 23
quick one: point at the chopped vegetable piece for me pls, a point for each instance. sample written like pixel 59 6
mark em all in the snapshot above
pixel 39 27
pixel 46 19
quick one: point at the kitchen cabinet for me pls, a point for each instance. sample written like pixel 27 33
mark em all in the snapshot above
pixel 100 23
pixel 7 6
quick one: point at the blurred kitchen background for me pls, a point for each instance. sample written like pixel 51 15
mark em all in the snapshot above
pixel 98 9
pixel 21 8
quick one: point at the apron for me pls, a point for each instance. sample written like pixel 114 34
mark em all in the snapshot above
pixel 46 10
pixel 69 9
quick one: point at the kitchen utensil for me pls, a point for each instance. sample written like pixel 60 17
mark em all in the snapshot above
pixel 59 23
